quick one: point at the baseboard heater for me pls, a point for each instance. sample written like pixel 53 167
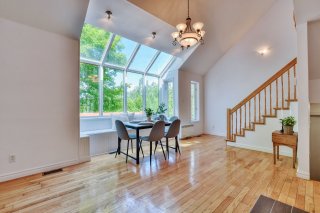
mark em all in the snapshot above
pixel 51 172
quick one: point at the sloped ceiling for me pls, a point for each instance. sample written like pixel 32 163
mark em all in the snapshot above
pixel 226 21
pixel 64 17
pixel 306 10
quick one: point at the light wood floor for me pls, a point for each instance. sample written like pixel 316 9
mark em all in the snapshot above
pixel 208 177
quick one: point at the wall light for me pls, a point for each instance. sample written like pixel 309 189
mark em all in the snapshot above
pixel 109 13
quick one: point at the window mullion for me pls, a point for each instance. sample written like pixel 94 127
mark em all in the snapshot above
pixel 152 61
pixel 107 49
pixel 167 66
pixel 100 90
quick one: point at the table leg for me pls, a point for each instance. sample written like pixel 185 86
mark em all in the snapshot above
pixel 274 154
pixel 278 147
pixel 137 146
pixel 294 157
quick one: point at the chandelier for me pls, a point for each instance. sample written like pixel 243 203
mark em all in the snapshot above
pixel 188 36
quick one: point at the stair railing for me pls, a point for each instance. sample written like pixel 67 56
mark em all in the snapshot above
pixel 274 94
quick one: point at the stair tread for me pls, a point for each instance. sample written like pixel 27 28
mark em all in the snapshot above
pixel 280 108
pixel 248 129
pixel 292 100
pixel 269 116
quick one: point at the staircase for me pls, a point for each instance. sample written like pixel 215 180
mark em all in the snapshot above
pixel 275 94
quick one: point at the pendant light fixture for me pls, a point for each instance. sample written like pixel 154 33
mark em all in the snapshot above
pixel 188 36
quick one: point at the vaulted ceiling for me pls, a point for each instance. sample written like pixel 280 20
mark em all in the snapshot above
pixel 226 21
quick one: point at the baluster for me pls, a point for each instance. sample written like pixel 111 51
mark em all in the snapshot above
pixel 295 82
pixel 240 120
pixel 270 99
pixel 245 115
pixel 282 92
pixel 232 126
pixel 259 107
pixel 277 95
pixel 265 101
pixel 288 88
pixel 255 109
pixel 250 114
pixel 236 122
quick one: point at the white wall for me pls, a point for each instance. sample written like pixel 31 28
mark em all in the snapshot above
pixel 39 116
pixel 185 79
pixel 241 70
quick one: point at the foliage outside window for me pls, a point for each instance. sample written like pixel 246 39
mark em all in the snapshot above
pixel 152 92
pixel 170 101
pixel 134 85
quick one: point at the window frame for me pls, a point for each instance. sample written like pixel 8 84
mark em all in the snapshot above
pixel 196 101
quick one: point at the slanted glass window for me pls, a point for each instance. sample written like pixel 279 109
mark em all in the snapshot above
pixel 194 101
pixel 120 51
pixel 160 63
pixel 152 92
pixel 93 42
pixel 89 90
pixel 143 58
pixel 112 90
pixel 170 101
pixel 134 86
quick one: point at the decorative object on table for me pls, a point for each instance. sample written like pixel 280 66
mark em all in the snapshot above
pixel 149 113
pixel 288 124
pixel 161 111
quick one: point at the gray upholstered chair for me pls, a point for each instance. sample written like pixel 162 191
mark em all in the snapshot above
pixel 156 134
pixel 173 118
pixel 173 132
pixel 123 135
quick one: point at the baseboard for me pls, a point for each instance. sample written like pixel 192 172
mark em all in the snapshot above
pixel 27 172
pixel 257 148
pixel 303 174
pixel 222 134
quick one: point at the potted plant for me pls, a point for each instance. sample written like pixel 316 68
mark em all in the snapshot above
pixel 161 111
pixel 149 113
pixel 288 124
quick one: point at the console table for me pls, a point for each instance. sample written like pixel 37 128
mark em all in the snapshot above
pixel 280 139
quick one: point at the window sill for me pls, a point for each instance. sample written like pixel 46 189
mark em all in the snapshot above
pixel 195 121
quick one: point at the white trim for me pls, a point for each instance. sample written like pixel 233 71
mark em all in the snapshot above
pixel 36 170
pixel 257 148
pixel 303 174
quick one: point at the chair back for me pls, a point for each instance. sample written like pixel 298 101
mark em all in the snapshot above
pixel 157 131
pixel 174 129
pixel 173 118
pixel 121 130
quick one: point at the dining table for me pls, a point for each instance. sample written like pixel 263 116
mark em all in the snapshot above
pixel 137 126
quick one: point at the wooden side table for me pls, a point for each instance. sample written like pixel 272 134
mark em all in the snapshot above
pixel 280 139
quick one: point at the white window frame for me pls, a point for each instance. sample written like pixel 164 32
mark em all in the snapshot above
pixel 196 102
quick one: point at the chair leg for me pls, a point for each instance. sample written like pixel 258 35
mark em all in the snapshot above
pixel 177 145
pixel 141 148
pixel 167 146
pixel 155 148
pixel 131 146
pixel 150 151
pixel 118 149
pixel 163 151
pixel 127 151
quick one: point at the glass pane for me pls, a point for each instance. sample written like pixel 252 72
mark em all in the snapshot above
pixel 161 62
pixel 93 42
pixel 120 51
pixel 193 98
pixel 112 90
pixel 142 58
pixel 134 83
pixel 152 92
pixel 170 99
pixel 89 90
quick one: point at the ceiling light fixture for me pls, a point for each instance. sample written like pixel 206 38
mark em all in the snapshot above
pixel 109 13
pixel 186 36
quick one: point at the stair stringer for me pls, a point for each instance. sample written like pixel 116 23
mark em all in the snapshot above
pixel 261 138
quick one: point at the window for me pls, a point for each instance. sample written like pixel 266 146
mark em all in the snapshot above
pixel 152 92
pixel 134 86
pixel 107 84
pixel 170 101
pixel 112 90
pixel 194 101
pixel 89 90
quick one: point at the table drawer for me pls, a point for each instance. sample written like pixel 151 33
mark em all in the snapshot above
pixel 284 139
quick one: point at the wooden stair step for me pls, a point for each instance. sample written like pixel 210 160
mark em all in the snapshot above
pixel 269 116
pixel 259 123
pixel 280 108
pixel 292 100
pixel 248 129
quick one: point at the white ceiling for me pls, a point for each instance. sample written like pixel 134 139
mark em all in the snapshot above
pixel 226 21
pixel 306 10
pixel 63 17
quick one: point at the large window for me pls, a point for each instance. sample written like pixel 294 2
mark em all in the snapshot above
pixel 152 92
pixel 194 101
pixel 170 96
pixel 117 74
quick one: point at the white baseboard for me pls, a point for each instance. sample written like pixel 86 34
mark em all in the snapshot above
pixel 303 174
pixel 222 134
pixel 27 172
pixel 257 148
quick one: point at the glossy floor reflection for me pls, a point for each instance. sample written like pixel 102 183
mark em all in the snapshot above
pixel 207 177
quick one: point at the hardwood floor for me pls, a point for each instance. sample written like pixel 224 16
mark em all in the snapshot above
pixel 207 177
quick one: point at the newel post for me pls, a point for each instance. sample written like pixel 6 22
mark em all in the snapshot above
pixel 228 124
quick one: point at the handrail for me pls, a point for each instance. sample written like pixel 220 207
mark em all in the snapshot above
pixel 265 84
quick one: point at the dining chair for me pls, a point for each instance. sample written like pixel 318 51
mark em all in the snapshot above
pixel 156 134
pixel 173 118
pixel 173 132
pixel 123 135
